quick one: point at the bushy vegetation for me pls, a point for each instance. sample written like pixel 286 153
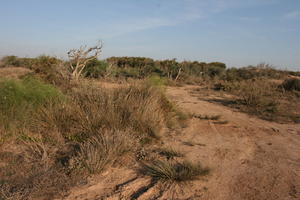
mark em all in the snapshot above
pixel 260 95
pixel 57 71
pixel 60 132
pixel 291 84
pixel 65 137
pixel 259 90
pixel 18 98
pixel 252 72
pixel 264 98
pixel 95 69
pixel 11 61
pixel 14 61
pixel 54 69
pixel 50 69
pixel 140 67
pixel 170 69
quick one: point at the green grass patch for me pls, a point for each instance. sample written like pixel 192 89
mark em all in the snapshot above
pixel 156 81
pixel 20 97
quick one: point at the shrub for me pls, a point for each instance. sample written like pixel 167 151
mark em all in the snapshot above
pixel 291 84
pixel 17 97
pixel 95 69
pixel 156 81
pixel 171 69
pixel 259 95
pixel 173 171
pixel 251 72
pixel 10 61
pixel 127 72
pixel 52 70
pixel 215 69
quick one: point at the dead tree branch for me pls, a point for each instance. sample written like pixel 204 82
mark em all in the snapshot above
pixel 80 57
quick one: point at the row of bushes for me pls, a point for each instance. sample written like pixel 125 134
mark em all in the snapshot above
pixel 251 72
pixel 135 67
pixel 140 67
pixel 56 72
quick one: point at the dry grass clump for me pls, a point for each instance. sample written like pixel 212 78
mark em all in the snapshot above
pixel 170 153
pixel 104 149
pixel 173 171
pixel 141 109
pixel 291 84
pixel 264 98
pixel 29 170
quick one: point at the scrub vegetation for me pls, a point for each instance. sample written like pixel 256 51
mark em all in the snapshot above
pixel 62 126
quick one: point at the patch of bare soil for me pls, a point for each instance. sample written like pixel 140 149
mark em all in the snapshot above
pixel 13 72
pixel 249 158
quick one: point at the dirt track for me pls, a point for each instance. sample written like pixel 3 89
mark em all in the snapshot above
pixel 249 158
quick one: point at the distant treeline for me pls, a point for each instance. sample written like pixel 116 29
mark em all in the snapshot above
pixel 141 67
pixel 167 68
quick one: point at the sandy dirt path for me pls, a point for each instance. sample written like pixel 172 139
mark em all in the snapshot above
pixel 250 158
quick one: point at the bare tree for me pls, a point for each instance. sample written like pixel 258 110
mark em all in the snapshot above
pixel 80 57
pixel 178 74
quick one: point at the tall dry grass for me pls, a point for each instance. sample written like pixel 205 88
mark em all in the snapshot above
pixel 265 98
pixel 59 142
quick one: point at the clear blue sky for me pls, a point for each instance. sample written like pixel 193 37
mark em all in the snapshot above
pixel 237 32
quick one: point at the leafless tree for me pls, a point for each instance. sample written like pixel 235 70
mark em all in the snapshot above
pixel 80 57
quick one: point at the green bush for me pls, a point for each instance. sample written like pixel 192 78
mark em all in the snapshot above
pixel 215 71
pixel 145 67
pixel 156 81
pixel 14 61
pixel 51 69
pixel 251 72
pixel 127 72
pixel 95 69
pixel 10 61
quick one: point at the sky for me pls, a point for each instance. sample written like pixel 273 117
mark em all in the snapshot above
pixel 236 32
